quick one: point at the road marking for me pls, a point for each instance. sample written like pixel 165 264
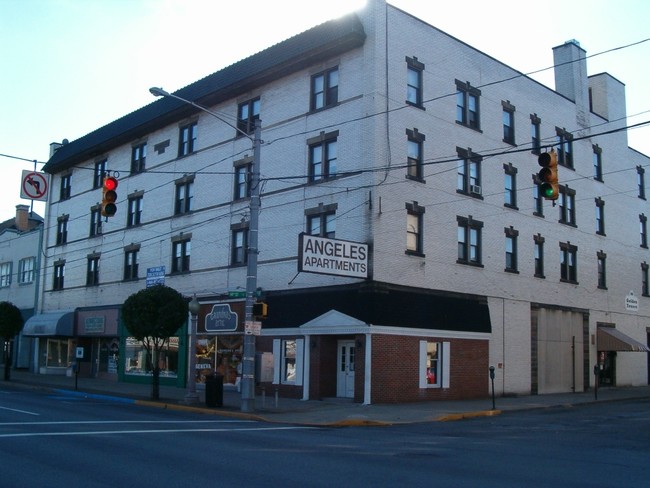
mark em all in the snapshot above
pixel 19 411
pixel 74 422
pixel 155 431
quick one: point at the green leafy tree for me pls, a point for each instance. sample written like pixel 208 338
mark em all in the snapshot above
pixel 11 323
pixel 152 316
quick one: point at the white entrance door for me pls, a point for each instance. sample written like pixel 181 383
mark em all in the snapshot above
pixel 345 374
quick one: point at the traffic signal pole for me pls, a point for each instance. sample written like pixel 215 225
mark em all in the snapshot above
pixel 248 361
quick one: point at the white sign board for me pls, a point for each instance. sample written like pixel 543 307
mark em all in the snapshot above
pixel 631 303
pixel 253 328
pixel 332 256
pixel 34 185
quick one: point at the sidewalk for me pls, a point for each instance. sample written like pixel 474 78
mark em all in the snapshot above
pixel 331 412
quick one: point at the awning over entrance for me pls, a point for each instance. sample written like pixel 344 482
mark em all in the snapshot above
pixel 59 323
pixel 611 339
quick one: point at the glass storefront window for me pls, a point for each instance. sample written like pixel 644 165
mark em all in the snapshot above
pixel 137 361
pixel 58 353
pixel 221 354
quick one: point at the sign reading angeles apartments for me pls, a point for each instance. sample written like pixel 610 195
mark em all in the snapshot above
pixel 332 256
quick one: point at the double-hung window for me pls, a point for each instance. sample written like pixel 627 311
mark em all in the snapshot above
pixel 187 139
pixel 539 255
pixel 131 254
pixel 435 362
pixel 414 229
pixel 568 262
pixel 243 171
pixel 181 247
pixel 100 172
pixel 414 155
pixel 58 275
pixel 643 230
pixel 184 195
pixel 26 270
pixel 469 241
pixel 138 158
pixel 321 221
pixel 95 221
pixel 62 230
pixel 66 187
pixel 247 113
pixel 414 69
pixel 600 216
pixel 645 279
pixel 323 155
pixel 469 173
pixel 239 249
pixel 512 236
pixel 134 210
pixel 602 270
pixel 535 133
pixel 508 116
pixel 567 204
pixel 510 186
pixel 288 361
pixel 467 105
pixel 92 270
pixel 640 181
pixel 5 274
pixel 324 89
pixel 564 148
pixel 598 162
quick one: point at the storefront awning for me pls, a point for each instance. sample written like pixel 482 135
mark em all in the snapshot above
pixel 611 339
pixel 59 323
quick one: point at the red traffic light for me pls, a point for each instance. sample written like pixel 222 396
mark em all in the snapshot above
pixel 110 183
pixel 109 196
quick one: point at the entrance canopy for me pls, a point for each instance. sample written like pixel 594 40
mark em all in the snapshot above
pixel 59 323
pixel 611 339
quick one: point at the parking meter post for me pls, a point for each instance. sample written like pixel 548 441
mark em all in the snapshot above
pixel 492 379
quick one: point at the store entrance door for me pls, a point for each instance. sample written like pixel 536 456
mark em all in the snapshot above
pixel 345 375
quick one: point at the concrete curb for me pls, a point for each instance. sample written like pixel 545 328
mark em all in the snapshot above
pixel 468 415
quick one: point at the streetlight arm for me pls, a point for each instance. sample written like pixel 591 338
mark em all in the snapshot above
pixel 159 92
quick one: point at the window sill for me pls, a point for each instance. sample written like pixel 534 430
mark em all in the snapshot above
pixel 419 254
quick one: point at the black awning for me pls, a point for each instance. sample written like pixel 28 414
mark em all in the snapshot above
pixel 59 323
pixel 376 304
pixel 611 339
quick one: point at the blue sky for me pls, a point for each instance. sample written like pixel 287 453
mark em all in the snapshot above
pixel 71 66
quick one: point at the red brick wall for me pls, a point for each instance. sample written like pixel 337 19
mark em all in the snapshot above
pixel 396 369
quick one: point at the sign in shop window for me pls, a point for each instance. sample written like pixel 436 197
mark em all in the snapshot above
pixel 138 363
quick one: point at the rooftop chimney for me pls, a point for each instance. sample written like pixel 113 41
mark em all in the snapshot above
pixel 22 217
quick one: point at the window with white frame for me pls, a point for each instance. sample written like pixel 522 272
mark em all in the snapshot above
pixel 288 361
pixel 26 270
pixel 435 364
pixel 5 274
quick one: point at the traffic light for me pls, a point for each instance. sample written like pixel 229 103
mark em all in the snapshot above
pixel 547 177
pixel 109 196
pixel 260 310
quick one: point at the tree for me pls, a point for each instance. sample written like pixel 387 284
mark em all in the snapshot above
pixel 152 316
pixel 11 323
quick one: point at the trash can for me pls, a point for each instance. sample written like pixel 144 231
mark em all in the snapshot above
pixel 214 390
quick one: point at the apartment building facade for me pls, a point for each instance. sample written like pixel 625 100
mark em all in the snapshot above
pixel 20 244
pixel 414 153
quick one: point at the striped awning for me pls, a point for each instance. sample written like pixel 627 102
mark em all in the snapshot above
pixel 611 339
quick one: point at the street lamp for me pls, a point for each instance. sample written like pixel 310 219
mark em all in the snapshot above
pixel 248 360
pixel 191 396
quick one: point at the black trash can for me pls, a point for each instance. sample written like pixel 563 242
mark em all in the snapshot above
pixel 214 390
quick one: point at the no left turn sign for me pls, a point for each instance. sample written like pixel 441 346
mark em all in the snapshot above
pixel 34 185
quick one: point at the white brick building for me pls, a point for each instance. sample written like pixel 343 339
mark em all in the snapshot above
pixel 20 241
pixel 378 129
